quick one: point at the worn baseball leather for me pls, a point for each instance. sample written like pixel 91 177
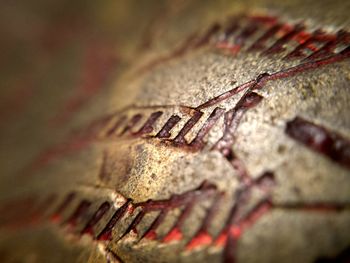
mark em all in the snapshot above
pixel 175 131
